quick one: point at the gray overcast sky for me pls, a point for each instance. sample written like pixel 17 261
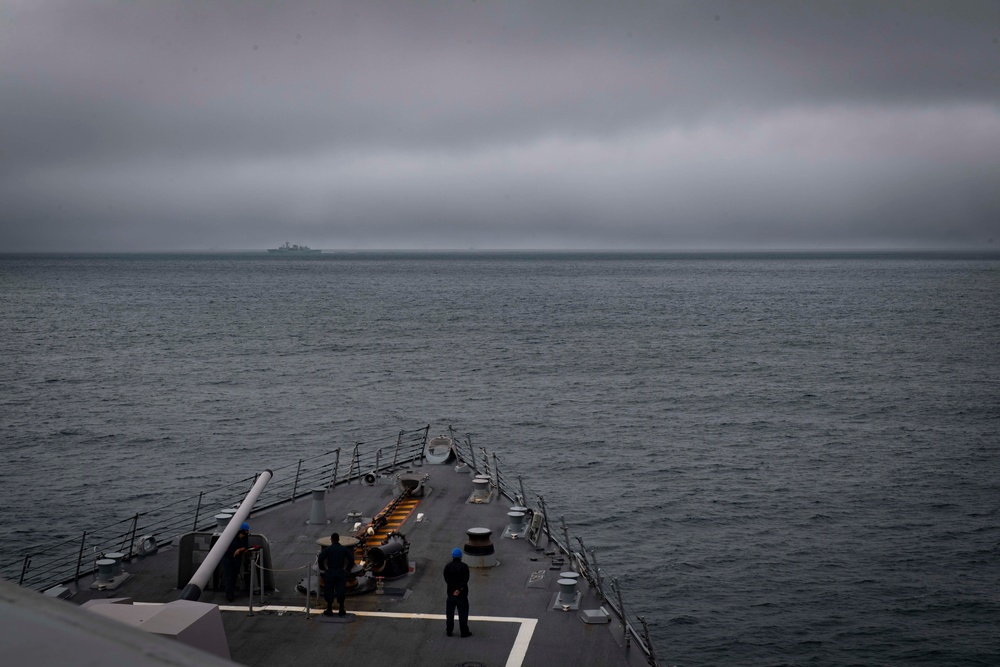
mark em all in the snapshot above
pixel 166 125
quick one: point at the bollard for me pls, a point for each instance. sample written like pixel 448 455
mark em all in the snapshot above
pixel 479 548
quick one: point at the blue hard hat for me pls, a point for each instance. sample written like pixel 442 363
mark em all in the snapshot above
pixel 245 526
pixel 456 553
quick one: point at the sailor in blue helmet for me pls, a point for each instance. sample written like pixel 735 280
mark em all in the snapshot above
pixel 232 559
pixel 456 577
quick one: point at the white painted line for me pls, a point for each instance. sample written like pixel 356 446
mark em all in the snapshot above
pixel 520 648
pixel 517 652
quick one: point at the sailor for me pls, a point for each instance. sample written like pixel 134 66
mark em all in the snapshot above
pixel 336 562
pixel 232 559
pixel 456 577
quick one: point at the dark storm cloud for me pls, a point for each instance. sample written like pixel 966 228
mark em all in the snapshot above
pixel 144 125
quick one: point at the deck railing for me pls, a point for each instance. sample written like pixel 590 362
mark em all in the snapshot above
pixel 584 559
pixel 65 561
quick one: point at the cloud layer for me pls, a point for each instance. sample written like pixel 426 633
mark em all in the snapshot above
pixel 175 125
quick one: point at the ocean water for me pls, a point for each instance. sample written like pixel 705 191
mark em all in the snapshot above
pixel 786 460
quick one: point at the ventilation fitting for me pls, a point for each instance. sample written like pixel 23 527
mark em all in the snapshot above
pixel 317 514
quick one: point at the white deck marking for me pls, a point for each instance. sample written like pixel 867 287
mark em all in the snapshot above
pixel 517 652
pixel 520 648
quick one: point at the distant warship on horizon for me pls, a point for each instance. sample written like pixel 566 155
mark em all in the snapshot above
pixel 294 248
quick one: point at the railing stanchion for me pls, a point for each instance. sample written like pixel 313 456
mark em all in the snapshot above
pixel 355 461
pixel 472 453
pixel 423 445
pixel 197 512
pixel 26 564
pixel 336 468
pixel 596 569
pixel 309 591
pixel 295 487
pixel 651 655
pixel 250 592
pixel 486 463
pixel 79 558
pixel 569 548
pixel 621 612
pixel 395 452
pixel 545 517
pixel 131 546
pixel 260 575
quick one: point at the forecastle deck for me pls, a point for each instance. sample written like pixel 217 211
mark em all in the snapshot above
pixel 520 613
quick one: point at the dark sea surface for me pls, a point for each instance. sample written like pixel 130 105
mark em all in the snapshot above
pixel 787 460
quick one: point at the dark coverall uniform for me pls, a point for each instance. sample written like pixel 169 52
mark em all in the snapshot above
pixel 456 577
pixel 335 561
pixel 232 562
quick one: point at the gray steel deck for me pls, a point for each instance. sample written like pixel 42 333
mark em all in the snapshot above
pixel 513 623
